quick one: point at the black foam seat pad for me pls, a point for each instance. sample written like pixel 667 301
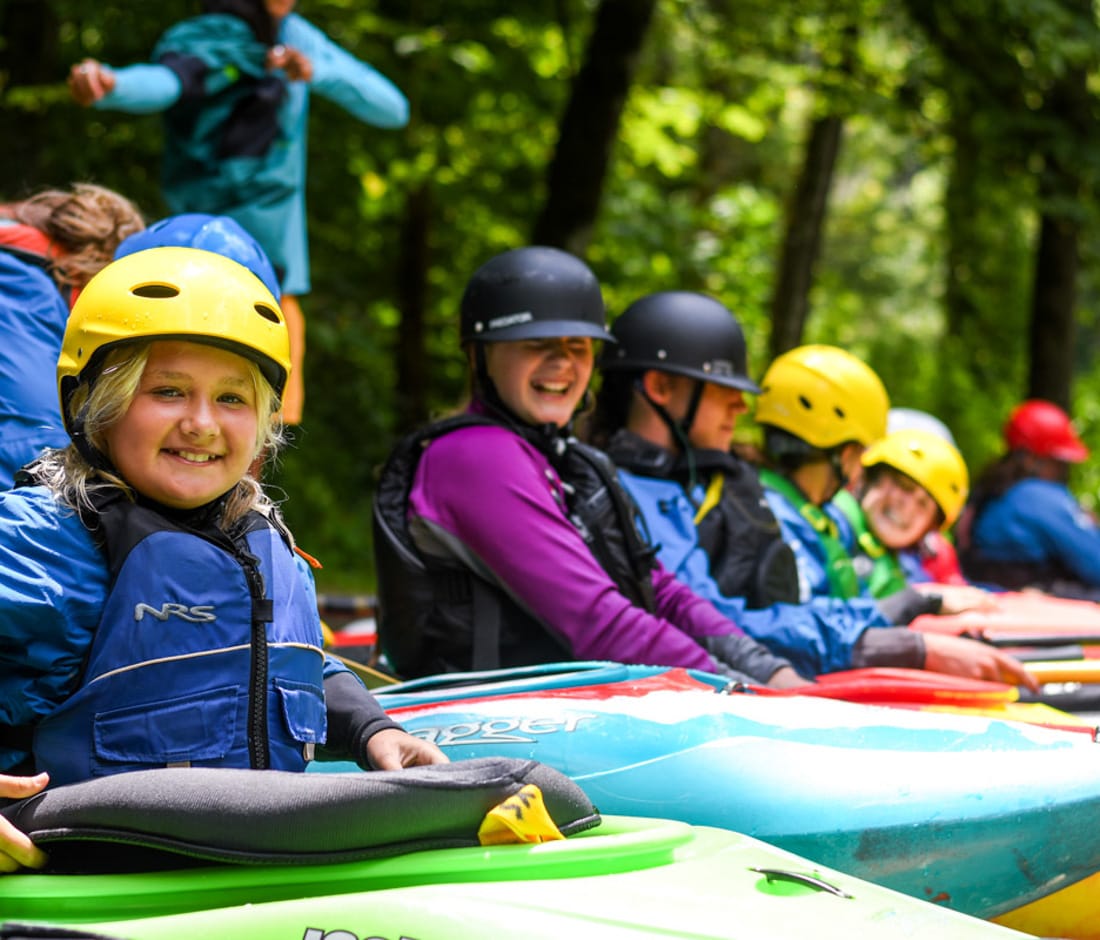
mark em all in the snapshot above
pixel 161 818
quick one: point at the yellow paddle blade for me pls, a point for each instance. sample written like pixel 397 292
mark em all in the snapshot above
pixel 1073 670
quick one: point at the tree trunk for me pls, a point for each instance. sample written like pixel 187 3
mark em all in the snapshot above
pixel 29 53
pixel 802 241
pixel 1053 326
pixel 1054 294
pixel 410 401
pixel 28 56
pixel 590 125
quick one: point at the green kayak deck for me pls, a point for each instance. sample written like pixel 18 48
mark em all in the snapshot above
pixel 628 878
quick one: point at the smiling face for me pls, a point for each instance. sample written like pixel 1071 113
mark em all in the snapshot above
pixel 541 380
pixel 190 432
pixel 898 510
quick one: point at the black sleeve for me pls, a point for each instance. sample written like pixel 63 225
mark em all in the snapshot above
pixel 889 646
pixel 908 604
pixel 353 716
pixel 744 655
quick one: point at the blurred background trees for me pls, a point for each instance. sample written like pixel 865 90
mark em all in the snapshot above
pixel 913 180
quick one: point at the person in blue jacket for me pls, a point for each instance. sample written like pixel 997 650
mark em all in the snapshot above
pixel 153 608
pixel 234 85
pixel 1024 528
pixel 50 245
pixel 820 408
pixel 674 386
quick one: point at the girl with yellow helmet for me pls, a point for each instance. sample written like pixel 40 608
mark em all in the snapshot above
pixel 914 483
pixel 152 606
pixel 822 411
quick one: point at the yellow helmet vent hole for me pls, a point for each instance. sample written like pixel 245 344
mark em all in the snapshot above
pixel 155 291
pixel 267 313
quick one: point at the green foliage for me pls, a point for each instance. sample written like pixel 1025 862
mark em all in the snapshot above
pixel 933 206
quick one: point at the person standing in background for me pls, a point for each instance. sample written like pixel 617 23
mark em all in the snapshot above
pixel 234 85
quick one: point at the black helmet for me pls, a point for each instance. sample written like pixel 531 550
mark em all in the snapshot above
pixel 682 332
pixel 532 293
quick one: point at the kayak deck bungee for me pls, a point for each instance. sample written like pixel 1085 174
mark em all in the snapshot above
pixel 981 815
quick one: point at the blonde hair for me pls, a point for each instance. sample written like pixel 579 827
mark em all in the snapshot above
pixel 88 224
pixel 99 404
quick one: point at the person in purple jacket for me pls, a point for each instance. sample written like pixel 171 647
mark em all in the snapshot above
pixel 501 540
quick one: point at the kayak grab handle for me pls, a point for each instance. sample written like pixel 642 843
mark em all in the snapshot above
pixel 781 874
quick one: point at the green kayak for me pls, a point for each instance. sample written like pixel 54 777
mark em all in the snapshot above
pixel 616 877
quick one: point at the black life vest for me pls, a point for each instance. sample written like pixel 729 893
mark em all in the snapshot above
pixel 737 530
pixel 437 615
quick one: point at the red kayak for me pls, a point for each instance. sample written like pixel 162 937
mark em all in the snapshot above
pixel 935 691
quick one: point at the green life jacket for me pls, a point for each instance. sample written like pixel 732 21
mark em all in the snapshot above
pixel 843 581
pixel 884 575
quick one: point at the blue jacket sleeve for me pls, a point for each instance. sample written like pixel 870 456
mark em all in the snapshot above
pixel 818 636
pixel 341 78
pixel 142 89
pixel 53 581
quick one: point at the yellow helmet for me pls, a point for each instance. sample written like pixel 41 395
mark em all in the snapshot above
pixel 173 293
pixel 824 396
pixel 934 463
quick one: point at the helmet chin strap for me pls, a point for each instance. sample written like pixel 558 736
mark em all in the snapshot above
pixel 837 464
pixel 94 457
pixel 680 430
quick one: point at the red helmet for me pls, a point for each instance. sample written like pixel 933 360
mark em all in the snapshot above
pixel 1045 430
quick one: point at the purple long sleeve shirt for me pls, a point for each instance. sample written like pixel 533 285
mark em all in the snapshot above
pixel 499 497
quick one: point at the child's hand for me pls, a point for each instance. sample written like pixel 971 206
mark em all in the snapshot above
pixel 89 81
pixel 392 749
pixel 787 678
pixel 964 657
pixel 296 64
pixel 957 597
pixel 16 850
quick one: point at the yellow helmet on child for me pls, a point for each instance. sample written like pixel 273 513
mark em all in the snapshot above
pixel 824 396
pixel 173 294
pixel 927 458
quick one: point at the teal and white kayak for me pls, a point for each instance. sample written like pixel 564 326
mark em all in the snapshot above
pixel 978 815
pixel 625 878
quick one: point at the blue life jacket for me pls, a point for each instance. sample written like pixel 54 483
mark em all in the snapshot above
pixel 193 662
